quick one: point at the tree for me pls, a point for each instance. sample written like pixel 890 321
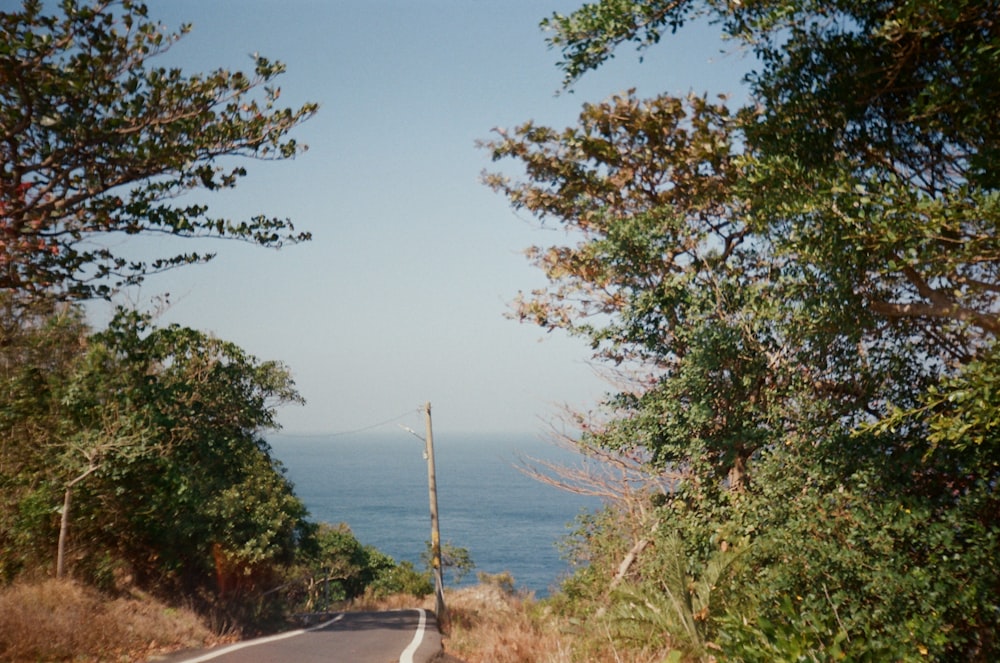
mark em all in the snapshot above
pixel 96 141
pixel 453 557
pixel 155 433
pixel 874 123
pixel 152 436
pixel 205 475
pixel 333 554
pixel 806 289
pixel 108 435
pixel 647 186
pixel 38 349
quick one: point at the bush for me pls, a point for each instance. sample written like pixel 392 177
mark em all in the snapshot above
pixel 402 578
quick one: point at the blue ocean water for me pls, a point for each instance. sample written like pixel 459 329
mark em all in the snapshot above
pixel 377 484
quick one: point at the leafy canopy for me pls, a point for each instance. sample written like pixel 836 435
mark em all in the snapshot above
pixel 97 141
pixel 806 291
pixel 159 433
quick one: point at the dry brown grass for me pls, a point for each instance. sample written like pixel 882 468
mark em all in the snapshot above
pixel 394 602
pixel 489 623
pixel 486 624
pixel 56 620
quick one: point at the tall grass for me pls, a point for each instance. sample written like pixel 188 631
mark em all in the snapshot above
pixel 55 620
pixel 59 620
pixel 492 623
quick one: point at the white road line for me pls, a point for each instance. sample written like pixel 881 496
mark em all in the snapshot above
pixel 407 655
pixel 261 641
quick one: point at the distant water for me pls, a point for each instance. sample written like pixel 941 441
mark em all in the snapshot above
pixel 377 484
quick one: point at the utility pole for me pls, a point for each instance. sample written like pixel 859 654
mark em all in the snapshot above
pixel 435 530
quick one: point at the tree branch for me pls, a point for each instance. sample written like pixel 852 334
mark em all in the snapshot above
pixel 948 310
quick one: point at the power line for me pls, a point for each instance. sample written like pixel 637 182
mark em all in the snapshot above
pixel 354 431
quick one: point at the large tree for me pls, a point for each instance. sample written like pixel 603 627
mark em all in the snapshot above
pixel 96 141
pixel 807 287
pixel 139 448
pixel 209 477
pixel 872 128
pixel 156 434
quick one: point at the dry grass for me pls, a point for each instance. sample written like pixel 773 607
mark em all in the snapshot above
pixel 394 602
pixel 56 620
pixel 489 623
pixel 62 621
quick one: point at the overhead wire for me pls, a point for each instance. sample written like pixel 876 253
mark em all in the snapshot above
pixel 363 429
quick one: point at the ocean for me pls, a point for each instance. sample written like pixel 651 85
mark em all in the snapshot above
pixel 377 484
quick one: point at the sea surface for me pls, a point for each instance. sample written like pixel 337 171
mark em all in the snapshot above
pixel 377 484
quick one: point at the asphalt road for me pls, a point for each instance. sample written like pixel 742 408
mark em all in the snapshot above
pixel 407 636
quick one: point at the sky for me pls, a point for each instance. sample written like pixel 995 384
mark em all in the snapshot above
pixel 401 297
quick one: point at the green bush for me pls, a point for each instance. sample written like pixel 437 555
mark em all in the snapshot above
pixel 398 578
pixel 864 566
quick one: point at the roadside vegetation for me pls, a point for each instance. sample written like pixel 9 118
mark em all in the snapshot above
pixel 140 504
pixel 82 619
pixel 799 295
pixel 64 620
pixel 798 291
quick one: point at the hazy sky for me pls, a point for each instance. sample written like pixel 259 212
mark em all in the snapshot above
pixel 401 296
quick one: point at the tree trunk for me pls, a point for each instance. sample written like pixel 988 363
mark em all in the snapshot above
pixel 623 568
pixel 64 521
pixel 63 533
pixel 738 473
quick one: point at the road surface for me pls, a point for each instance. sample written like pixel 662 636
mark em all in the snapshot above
pixel 407 636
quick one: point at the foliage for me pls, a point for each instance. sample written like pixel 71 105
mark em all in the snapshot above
pixel 804 290
pixel 333 555
pixel 391 577
pixel 37 353
pixel 589 36
pixel 453 557
pixel 179 490
pixel 98 141
pixel 383 576
pixel 331 565
pixel 165 425
pixel 210 477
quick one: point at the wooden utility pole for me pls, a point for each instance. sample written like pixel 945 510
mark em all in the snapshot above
pixel 435 530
